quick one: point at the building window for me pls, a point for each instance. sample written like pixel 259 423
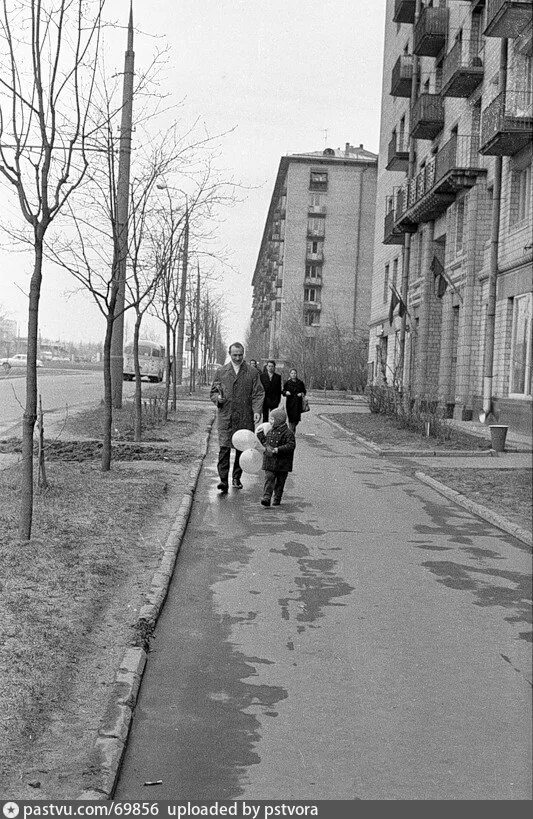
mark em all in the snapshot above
pixel 316 200
pixel 395 272
pixel 310 294
pixel 316 226
pixel 313 271
pixel 386 283
pixel 520 195
pixel 318 181
pixel 311 318
pixel 315 248
pixel 521 344
pixel 419 252
pixel 459 225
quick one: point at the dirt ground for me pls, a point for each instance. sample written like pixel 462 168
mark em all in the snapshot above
pixel 386 433
pixel 69 598
pixel 505 491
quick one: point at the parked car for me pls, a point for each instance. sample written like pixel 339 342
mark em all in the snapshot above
pixel 18 360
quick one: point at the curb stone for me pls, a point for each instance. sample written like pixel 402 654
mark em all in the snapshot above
pixel 110 743
pixel 477 509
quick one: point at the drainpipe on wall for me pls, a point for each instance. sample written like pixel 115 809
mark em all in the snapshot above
pixel 490 323
pixel 406 260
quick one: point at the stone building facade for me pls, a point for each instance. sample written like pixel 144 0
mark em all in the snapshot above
pixel 314 266
pixel 456 101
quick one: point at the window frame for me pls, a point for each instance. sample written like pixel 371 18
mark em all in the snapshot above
pixel 526 364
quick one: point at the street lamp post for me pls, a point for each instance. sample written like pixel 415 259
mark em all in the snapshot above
pixel 123 187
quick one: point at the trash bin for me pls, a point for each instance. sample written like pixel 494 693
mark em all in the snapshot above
pixel 498 434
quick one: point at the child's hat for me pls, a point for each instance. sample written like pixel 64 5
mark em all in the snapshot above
pixel 278 414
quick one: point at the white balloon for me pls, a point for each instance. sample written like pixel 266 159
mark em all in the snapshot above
pixel 243 439
pixel 251 461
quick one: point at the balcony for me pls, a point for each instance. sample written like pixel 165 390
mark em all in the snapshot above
pixel 316 210
pixel 404 11
pixel 392 235
pixel 462 71
pixel 455 168
pixel 398 155
pixel 315 233
pixel 429 35
pixel 507 124
pixel 314 257
pixel 401 76
pixel 313 281
pixel 507 18
pixel 523 44
pixel 427 116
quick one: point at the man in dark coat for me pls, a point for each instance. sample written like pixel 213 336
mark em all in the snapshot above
pixel 271 382
pixel 238 395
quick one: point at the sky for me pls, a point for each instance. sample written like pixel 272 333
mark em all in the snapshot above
pixel 274 76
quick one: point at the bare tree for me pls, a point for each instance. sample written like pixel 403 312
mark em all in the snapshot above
pixel 46 89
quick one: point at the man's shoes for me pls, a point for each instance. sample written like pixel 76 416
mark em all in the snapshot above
pixel 236 483
pixel 265 501
pixel 276 502
pixel 223 487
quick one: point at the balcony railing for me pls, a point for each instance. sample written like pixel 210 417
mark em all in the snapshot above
pixel 507 124
pixel 392 235
pixel 398 154
pixel 425 197
pixel 462 71
pixel 430 29
pixel 313 281
pixel 507 18
pixel 313 210
pixel 523 44
pixel 316 233
pixel 427 116
pixel 314 257
pixel 404 11
pixel 401 76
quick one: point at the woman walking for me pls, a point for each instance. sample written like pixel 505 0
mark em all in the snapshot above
pixel 293 390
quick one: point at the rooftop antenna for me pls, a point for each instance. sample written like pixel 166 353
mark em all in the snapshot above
pixel 325 137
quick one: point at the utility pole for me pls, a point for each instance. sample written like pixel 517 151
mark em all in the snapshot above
pixel 123 193
pixel 183 300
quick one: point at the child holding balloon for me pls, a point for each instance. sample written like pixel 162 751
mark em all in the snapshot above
pixel 279 443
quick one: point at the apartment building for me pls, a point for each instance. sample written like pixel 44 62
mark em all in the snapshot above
pixel 314 266
pixel 453 237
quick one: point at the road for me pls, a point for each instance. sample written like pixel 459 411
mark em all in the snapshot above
pixel 365 640
pixel 60 389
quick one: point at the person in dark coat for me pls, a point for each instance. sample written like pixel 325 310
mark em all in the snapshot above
pixel 238 395
pixel 279 444
pixel 294 390
pixel 271 381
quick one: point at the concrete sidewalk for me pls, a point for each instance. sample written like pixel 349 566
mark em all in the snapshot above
pixel 367 639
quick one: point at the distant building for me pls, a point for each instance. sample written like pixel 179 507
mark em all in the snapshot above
pixel 8 335
pixel 456 101
pixel 315 261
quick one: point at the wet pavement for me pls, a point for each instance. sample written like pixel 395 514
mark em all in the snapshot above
pixel 367 639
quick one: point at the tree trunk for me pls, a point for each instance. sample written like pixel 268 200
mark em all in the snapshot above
pixel 137 422
pixel 30 411
pixel 108 405
pixel 174 385
pixel 167 375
